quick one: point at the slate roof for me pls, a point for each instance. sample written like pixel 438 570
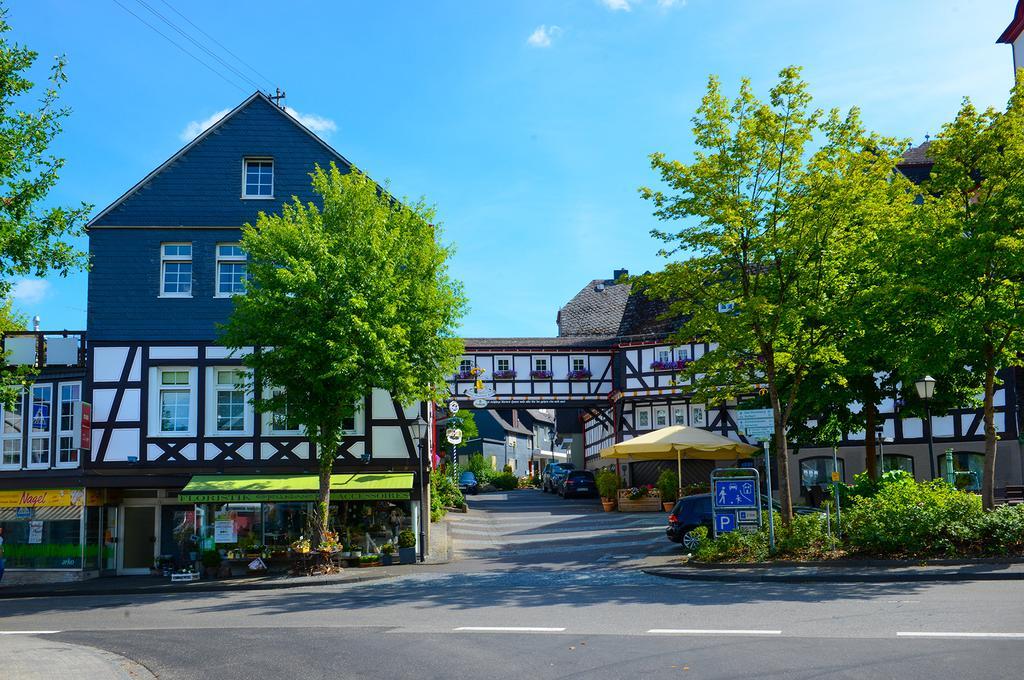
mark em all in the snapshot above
pixel 595 310
pixel 916 165
pixel 507 426
pixel 540 415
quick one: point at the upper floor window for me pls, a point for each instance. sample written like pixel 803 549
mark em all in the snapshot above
pixel 579 364
pixel 258 180
pixel 173 401
pixel 176 269
pixel 540 364
pixel 678 416
pixel 230 401
pixel 504 364
pixel 465 366
pixel 10 457
pixel 39 440
pixel 664 355
pixel 70 394
pixel 283 420
pixel 231 269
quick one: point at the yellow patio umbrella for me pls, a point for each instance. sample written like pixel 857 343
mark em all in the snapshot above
pixel 679 442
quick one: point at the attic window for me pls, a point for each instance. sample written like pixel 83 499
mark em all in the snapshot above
pixel 258 178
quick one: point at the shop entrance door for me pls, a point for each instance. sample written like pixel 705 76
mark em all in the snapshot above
pixel 138 539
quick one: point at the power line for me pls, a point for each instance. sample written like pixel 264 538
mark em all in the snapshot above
pixel 199 45
pixel 218 43
pixel 170 40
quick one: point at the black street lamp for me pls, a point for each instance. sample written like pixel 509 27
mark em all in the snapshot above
pixel 418 430
pixel 926 390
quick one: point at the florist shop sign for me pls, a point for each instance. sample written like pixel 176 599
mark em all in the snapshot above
pixel 278 497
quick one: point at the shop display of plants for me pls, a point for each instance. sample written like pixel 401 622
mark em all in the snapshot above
pixel 329 543
pixel 301 545
pixel 371 560
pixel 387 554
pixel 211 560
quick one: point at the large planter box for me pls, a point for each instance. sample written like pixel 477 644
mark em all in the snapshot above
pixel 407 555
pixel 645 504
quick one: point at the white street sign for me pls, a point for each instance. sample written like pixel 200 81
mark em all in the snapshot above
pixel 453 407
pixel 453 436
pixel 480 403
pixel 757 423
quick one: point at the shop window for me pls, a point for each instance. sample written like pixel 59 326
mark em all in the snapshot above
pixel 815 475
pixel 50 538
pixel 899 462
pixel 10 456
pixel 968 468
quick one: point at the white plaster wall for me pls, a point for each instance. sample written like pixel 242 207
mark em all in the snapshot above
pixel 108 363
pixel 173 352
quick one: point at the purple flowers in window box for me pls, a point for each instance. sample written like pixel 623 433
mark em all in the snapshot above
pixel 540 375
pixel 504 375
pixel 677 365
pixel 579 374
pixel 465 375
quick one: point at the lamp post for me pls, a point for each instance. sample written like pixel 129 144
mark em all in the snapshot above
pixel 418 430
pixel 926 390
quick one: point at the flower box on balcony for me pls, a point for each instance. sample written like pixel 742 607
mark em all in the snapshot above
pixel 581 374
pixel 540 375
pixel 504 375
pixel 677 365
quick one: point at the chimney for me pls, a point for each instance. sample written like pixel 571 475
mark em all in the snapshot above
pixel 35 323
pixel 619 273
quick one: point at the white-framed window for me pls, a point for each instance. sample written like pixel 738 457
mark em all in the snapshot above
pixel 69 394
pixel 40 422
pixel 176 269
pixel 503 364
pixel 465 366
pixel 679 416
pixel 643 419
pixel 664 355
pixel 682 353
pixel 11 435
pixel 660 417
pixel 172 401
pixel 231 269
pixel 258 178
pixel 540 363
pixel 353 422
pixel 579 364
pixel 228 411
pixel 281 421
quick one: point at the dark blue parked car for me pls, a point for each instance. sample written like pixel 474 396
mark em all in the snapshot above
pixel 468 483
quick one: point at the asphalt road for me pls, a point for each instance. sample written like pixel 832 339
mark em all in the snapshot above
pixel 505 612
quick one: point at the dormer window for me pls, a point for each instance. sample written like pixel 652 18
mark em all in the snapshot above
pixel 258 178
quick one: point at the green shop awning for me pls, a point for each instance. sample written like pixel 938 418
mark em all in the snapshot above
pixel 368 486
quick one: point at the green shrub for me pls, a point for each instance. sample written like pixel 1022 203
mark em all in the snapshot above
pixel 734 546
pixel 905 517
pixel 608 483
pixel 444 494
pixel 406 539
pixel 1001 532
pixel 506 481
pixel 211 559
pixel 668 486
pixel 480 467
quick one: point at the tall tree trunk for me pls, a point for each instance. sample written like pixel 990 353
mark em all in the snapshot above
pixel 870 447
pixel 781 458
pixel 327 444
pixel 988 490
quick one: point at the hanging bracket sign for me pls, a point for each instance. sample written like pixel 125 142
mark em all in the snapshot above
pixel 453 436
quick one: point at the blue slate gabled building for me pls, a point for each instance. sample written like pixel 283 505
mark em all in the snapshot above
pixel 180 461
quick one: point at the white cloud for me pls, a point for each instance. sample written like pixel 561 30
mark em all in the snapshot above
pixel 30 291
pixel 543 35
pixel 668 4
pixel 618 5
pixel 315 123
pixel 196 127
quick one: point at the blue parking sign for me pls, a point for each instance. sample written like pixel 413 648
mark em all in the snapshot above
pixel 741 493
pixel 725 523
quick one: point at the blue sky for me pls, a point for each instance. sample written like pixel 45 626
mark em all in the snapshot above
pixel 527 123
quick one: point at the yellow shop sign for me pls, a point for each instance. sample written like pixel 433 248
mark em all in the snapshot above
pixel 43 498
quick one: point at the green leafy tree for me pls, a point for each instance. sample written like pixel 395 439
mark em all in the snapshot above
pixel 33 238
pixel 973 218
pixel 769 227
pixel 343 299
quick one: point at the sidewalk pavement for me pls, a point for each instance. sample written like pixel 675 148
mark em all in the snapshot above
pixel 43 658
pixel 837 571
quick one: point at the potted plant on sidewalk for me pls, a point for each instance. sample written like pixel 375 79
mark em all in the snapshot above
pixel 387 552
pixel 668 485
pixel 407 546
pixel 608 484
pixel 211 563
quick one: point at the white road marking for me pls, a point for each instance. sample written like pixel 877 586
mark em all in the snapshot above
pixel 959 635
pixel 711 631
pixel 509 629
pixel 28 632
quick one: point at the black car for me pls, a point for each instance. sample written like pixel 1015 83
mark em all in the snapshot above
pixel 554 473
pixel 468 483
pixel 578 483
pixel 694 511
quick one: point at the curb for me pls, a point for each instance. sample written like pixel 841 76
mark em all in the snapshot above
pixel 855 564
pixel 202 587
pixel 860 577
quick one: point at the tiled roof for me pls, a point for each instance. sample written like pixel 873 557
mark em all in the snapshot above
pixel 587 342
pixel 595 310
